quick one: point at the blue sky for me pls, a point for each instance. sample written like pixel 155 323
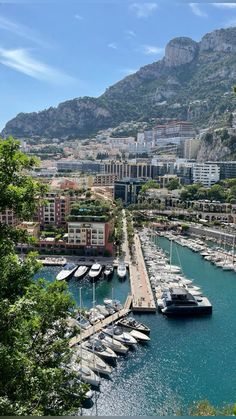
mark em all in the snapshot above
pixel 55 50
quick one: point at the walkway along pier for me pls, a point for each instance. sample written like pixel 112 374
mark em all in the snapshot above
pixel 142 295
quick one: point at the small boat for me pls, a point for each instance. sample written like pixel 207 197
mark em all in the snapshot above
pixel 108 271
pixel 121 270
pixel 53 261
pixel 95 316
pixel 81 271
pixel 94 362
pixel 83 323
pixel 120 335
pixel 112 343
pixel 139 336
pixel 86 374
pixel 102 309
pixel 132 324
pixel 115 304
pixel 95 271
pixel 66 272
pixel 97 347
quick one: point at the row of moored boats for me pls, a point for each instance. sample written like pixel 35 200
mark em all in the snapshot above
pixel 94 272
pixel 175 294
pixel 216 255
pixel 96 357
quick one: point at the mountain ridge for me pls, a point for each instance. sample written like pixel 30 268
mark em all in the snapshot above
pixel 192 81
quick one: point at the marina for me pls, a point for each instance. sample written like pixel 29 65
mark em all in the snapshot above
pixel 161 378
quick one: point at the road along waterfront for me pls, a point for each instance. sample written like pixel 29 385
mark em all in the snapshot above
pixel 186 359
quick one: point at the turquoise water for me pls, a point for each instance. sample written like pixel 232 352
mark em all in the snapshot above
pixel 186 359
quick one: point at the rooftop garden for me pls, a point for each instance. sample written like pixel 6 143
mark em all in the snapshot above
pixel 93 210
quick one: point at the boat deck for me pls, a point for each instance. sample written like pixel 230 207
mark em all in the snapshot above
pixel 103 323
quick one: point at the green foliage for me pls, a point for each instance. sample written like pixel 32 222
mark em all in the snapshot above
pixel 173 184
pixel 92 209
pixel 204 408
pixel 151 184
pixel 34 348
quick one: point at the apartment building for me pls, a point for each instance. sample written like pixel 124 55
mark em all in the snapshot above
pixel 54 211
pixel 89 235
pixel 206 173
pixel 104 179
pixel 7 217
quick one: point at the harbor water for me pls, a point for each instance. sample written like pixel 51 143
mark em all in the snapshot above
pixel 187 359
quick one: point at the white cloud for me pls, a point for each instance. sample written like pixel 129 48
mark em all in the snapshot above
pixel 196 10
pixel 112 45
pixel 79 17
pixel 151 50
pixel 225 5
pixel 20 60
pixel 130 33
pixel 143 10
pixel 20 30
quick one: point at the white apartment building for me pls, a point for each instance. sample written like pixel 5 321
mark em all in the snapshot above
pixel 206 173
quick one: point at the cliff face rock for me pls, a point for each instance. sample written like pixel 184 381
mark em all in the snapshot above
pixel 193 81
pixel 180 51
pixel 219 40
pixel 218 145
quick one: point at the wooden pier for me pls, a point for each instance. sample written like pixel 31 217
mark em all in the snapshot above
pixel 103 323
pixel 142 295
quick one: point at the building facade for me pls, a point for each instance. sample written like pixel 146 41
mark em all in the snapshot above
pixel 127 190
pixel 89 236
pixel 206 173
pixel 54 211
pixel 7 217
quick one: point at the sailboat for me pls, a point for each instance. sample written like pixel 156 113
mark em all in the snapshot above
pixel 85 373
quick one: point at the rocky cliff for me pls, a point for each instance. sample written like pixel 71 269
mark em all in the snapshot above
pixel 193 81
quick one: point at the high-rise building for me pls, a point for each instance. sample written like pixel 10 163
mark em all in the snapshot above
pixel 127 190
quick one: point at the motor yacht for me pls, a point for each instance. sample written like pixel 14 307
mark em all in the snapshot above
pixel 139 336
pixel 121 270
pixel 108 271
pixel 132 324
pixel 120 335
pixel 81 272
pixel 85 373
pixel 97 347
pixel 66 272
pixel 95 272
pixel 112 343
pixel 178 301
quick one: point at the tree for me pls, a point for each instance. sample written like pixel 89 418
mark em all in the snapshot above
pixel 173 184
pixel 34 350
pixel 150 184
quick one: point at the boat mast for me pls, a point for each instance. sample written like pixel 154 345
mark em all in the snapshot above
pixel 171 245
pixel 81 366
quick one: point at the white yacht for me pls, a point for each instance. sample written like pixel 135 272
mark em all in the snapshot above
pixel 85 373
pixel 112 343
pixel 66 272
pixel 121 270
pixel 95 271
pixel 81 271
pixel 98 348
pixel 142 337
pixel 120 335
pixel 94 362
pixel 95 316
